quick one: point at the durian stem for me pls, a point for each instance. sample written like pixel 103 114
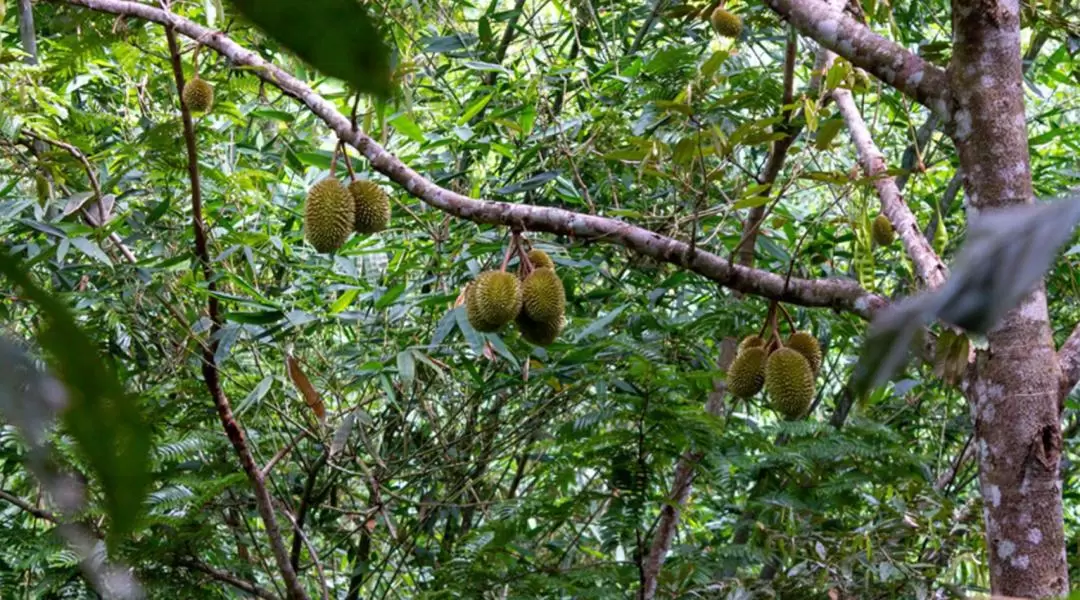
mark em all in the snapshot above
pixel 787 317
pixel 333 161
pixel 195 60
pixel 770 319
pixel 515 244
pixel 348 162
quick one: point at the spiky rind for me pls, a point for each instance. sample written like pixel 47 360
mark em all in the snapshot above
pixel 540 259
pixel 540 333
pixel 198 95
pixel 328 215
pixel 492 300
pixel 751 341
pixel 726 23
pixel 883 231
pixel 746 375
pixel 789 383
pixel 372 206
pixel 806 344
pixel 544 299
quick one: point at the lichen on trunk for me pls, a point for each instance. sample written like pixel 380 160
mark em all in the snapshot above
pixel 1013 386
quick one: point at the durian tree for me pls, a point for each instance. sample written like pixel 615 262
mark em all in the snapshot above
pixel 534 299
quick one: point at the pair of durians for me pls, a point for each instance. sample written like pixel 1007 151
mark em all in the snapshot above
pixel 786 372
pixel 535 300
pixel 333 212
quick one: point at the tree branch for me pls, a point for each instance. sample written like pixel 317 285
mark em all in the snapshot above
pixel 1069 357
pixel 682 483
pixel 890 62
pixel 928 266
pixel 209 363
pixel 840 294
pixel 27 507
pixel 228 578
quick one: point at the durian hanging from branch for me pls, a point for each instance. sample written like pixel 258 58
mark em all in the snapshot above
pixel 329 212
pixel 198 94
pixel 786 371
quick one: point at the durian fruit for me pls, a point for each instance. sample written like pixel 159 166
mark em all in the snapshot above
pixel 751 341
pixel 328 215
pixel 492 300
pixel 806 344
pixel 789 383
pixel 544 299
pixel 883 231
pixel 726 23
pixel 198 95
pixel 540 259
pixel 372 206
pixel 541 333
pixel 746 374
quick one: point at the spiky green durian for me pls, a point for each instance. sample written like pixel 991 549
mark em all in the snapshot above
pixel 540 259
pixel 883 231
pixel 198 95
pixel 789 383
pixel 747 372
pixel 806 344
pixel 372 206
pixel 492 300
pixel 543 296
pixel 726 23
pixel 540 333
pixel 751 341
pixel 328 215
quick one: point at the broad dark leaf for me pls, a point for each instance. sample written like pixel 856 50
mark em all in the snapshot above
pixel 336 36
pixel 106 423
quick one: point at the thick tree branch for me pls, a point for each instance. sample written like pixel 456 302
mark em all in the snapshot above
pixel 840 294
pixel 209 362
pixel 890 62
pixel 928 266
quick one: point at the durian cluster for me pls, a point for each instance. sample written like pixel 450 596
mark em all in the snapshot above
pixel 333 212
pixel 786 372
pixel 534 299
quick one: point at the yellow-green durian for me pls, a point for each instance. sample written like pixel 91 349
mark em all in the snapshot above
pixel 543 296
pixel 198 95
pixel 726 23
pixel 492 300
pixel 883 231
pixel 789 383
pixel 328 215
pixel 540 333
pixel 751 341
pixel 372 206
pixel 746 374
pixel 806 344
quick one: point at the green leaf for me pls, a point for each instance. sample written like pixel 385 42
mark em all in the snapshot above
pixel 344 301
pixel 337 37
pixel 106 423
pixel 408 128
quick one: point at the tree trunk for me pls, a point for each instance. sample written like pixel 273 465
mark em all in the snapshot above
pixel 1013 387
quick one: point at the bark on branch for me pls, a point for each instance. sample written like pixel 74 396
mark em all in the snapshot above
pixel 928 265
pixel 840 294
pixel 890 62
pixel 209 362
pixel 1069 357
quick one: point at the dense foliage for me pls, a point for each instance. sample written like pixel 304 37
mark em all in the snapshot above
pixel 451 463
